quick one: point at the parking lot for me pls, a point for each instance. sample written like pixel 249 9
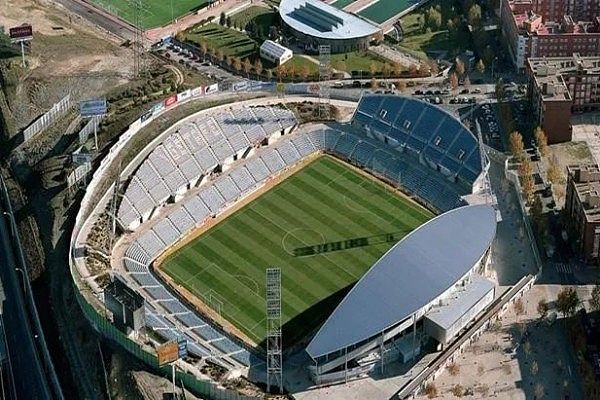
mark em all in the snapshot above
pixel 184 56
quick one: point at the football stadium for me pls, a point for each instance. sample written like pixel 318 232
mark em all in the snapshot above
pixel 380 213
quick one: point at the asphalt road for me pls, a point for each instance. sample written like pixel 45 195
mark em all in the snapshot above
pixel 29 377
pixel 99 17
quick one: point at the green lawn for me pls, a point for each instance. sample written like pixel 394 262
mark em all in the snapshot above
pixel 264 17
pixel 420 39
pixel 356 61
pixel 383 10
pixel 325 202
pixel 230 41
pixel 157 12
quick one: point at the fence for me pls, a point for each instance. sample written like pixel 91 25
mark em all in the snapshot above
pixel 88 129
pixel 47 119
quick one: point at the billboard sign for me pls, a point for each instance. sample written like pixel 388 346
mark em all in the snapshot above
pixel 182 350
pixel 18 33
pixel 93 108
pixel 212 88
pixel 199 91
pixel 184 95
pixel 169 101
pixel 81 158
pixel 157 108
pixel 240 86
pixel 146 116
pixel 167 353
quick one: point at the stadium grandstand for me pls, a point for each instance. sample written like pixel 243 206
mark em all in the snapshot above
pixel 314 23
pixel 429 283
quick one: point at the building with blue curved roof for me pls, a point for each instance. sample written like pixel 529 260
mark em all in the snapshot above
pixel 435 269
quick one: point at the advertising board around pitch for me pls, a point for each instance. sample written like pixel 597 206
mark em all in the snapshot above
pixel 93 108
pixel 167 353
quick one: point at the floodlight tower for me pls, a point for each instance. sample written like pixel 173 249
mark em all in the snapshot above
pixel 139 67
pixel 274 342
pixel 324 76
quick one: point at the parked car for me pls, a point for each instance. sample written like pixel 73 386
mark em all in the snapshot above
pixel 356 84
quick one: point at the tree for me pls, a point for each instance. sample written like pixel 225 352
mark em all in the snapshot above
pixel 273 32
pixel 304 72
pixel 401 86
pixel 516 145
pixel 378 37
pixel 535 368
pixel 539 391
pixel 554 172
pixel 453 369
pixel 237 64
pixel 222 19
pixel 269 74
pixel 374 83
pixel 386 70
pixel 528 186
pixel 595 300
pixel 480 66
pixel 567 301
pixel 527 348
pixel 451 25
pixel 453 81
pixel 458 390
pixel 519 307
pixel 373 68
pixel 433 18
pixel 228 21
pixel 280 72
pixel 431 390
pixel 220 55
pixel 541 141
pixel 525 168
pixel 459 66
pixel 258 67
pixel 204 48
pixel 247 67
pixel 499 89
pixel 467 81
pixel 542 308
pixel 475 15
pixel 397 69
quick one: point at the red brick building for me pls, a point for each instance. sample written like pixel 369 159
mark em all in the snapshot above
pixel 560 86
pixel 550 28
pixel 582 206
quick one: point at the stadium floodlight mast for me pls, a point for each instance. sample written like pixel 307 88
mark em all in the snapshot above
pixel 324 76
pixel 274 342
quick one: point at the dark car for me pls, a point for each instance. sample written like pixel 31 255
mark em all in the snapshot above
pixel 418 92
pixel 464 91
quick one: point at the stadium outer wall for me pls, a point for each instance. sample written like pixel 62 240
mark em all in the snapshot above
pixel 90 208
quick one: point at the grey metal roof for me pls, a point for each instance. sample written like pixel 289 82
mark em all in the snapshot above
pixel 319 19
pixel 447 315
pixel 409 276
pixel 273 48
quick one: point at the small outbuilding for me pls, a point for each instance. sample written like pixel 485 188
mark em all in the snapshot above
pixel 274 52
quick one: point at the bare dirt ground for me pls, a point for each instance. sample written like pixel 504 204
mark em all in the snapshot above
pixel 66 55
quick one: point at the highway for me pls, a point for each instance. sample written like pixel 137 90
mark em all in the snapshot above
pixel 29 375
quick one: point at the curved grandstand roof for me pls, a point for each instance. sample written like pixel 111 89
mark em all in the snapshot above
pixel 319 19
pixel 409 276
pixel 424 130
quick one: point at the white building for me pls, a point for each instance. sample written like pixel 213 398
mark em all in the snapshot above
pixel 275 52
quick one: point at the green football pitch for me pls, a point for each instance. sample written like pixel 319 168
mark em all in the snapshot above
pixel 155 12
pixel 383 10
pixel 324 226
